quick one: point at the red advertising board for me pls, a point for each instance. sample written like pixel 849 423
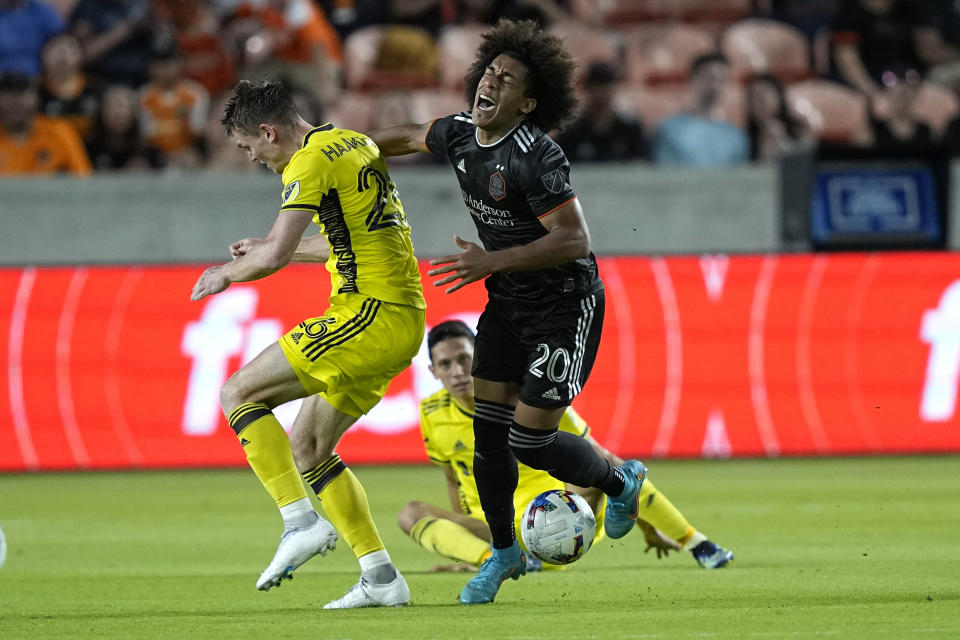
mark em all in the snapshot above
pixel 701 356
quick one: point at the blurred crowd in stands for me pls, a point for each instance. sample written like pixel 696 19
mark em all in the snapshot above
pixel 91 85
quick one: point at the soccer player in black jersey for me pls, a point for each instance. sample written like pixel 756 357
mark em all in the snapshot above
pixel 538 336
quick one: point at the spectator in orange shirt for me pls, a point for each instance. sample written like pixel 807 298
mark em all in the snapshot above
pixel 34 144
pixel 290 38
pixel 173 110
pixel 197 29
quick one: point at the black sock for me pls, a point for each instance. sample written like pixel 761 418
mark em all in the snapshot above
pixel 566 457
pixel 495 468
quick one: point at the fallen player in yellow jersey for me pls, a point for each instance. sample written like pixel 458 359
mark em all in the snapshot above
pixel 462 534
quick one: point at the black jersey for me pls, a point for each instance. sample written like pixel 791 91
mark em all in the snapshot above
pixel 507 186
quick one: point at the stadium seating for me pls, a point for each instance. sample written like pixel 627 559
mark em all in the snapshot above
pixel 351 111
pixel 616 13
pixel 365 110
pixel 363 53
pixel 457 46
pixel 359 54
pixel 427 104
pixel 766 46
pixel 587 44
pixel 651 105
pixel 661 52
pixel 834 112
pixel 711 10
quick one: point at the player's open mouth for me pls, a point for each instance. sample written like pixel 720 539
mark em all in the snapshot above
pixel 485 104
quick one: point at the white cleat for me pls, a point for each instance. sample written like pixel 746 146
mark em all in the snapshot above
pixel 296 547
pixel 367 594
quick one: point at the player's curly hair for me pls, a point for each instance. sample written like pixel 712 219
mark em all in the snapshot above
pixel 551 69
pixel 256 102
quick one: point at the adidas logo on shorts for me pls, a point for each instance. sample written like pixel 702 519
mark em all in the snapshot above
pixel 551 394
pixel 296 337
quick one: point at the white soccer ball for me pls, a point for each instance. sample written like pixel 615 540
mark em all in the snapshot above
pixel 558 526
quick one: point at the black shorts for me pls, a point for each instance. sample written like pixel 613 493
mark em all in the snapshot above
pixel 546 348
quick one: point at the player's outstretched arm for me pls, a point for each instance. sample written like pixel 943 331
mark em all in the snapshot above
pixel 401 139
pixel 452 490
pixel 254 258
pixel 657 540
pixel 567 239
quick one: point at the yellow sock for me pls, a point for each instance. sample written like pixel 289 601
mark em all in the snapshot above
pixel 449 539
pixel 268 451
pixel 657 509
pixel 345 503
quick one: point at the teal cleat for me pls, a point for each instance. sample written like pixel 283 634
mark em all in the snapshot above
pixel 504 563
pixel 711 556
pixel 534 563
pixel 621 514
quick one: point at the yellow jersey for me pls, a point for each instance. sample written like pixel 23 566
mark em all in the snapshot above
pixel 341 176
pixel 447 430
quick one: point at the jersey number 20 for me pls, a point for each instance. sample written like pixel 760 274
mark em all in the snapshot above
pixel 557 363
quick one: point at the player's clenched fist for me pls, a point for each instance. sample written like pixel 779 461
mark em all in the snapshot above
pixel 210 282
pixel 242 247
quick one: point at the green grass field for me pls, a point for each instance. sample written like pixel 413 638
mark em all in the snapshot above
pixel 839 547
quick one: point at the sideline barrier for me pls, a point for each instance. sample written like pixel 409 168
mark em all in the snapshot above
pixel 715 356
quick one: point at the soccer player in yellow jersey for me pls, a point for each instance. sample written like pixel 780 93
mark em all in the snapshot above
pixel 462 534
pixel 340 362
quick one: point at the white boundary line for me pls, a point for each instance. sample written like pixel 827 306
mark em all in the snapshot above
pixel 755 353
pixel 68 415
pixel 855 392
pixel 674 357
pixel 18 407
pixel 111 383
pixel 808 399
pixel 626 356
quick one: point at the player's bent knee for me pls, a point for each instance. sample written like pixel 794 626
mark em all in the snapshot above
pixel 234 393
pixel 229 397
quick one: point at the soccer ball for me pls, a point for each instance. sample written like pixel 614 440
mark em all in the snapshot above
pixel 558 526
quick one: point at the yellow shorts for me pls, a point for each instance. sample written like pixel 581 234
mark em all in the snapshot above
pixel 350 354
